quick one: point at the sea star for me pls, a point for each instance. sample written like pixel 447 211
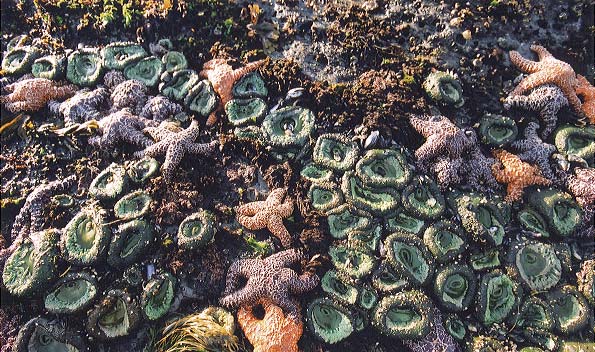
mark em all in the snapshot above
pixel 81 107
pixel 437 340
pixel 268 213
pixel 547 70
pixel 112 78
pixel 534 150
pixel 30 218
pixel 175 145
pixel 587 92
pixel 222 76
pixel 129 94
pixel 32 94
pixel 478 171
pixel 121 126
pixel 268 278
pixel 160 108
pixel 516 174
pixel 547 100
pixel 582 186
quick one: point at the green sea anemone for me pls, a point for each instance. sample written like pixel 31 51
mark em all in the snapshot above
pixel 197 230
pixel 325 196
pixel 43 335
pixel 17 42
pixel 244 111
pixel 288 127
pixel 351 262
pixel 534 313
pixel 455 327
pixel 249 86
pixel 365 240
pixel 141 170
pixel 360 319
pixel 445 240
pixel 486 260
pixel 201 98
pixel 179 85
pixel 497 130
pixel 63 201
pixel 579 141
pixel 532 221
pixel 586 280
pixel 50 67
pixel 571 310
pixel 20 59
pixel 71 294
pixel 316 174
pixel 110 183
pixel 32 265
pixel 404 315
pixel 118 55
pixel 482 218
pixel 129 242
pixel 400 221
pixel 444 88
pixel 409 257
pixel 454 287
pixel 115 315
pixel 133 205
pixel 337 288
pixel 498 296
pixel 335 151
pixel 542 338
pixel 422 198
pixel 378 201
pixel 158 295
pixel 329 321
pixel 560 211
pixel 84 67
pixel 367 298
pixel 147 70
pixel 534 264
pixel 386 280
pixel 85 238
pixel 383 168
pixel 174 61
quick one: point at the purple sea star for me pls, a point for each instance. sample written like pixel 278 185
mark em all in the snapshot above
pixel 129 94
pixel 532 149
pixel 121 126
pixel 160 108
pixel 437 340
pixel 81 107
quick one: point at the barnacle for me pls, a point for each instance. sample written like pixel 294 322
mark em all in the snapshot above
pixel 571 310
pixel 250 85
pixel 133 205
pixel 84 67
pixel 532 221
pixel 444 88
pixel 498 296
pixel 535 264
pixel 455 286
pixel 422 198
pixel 378 201
pixel 32 265
pixel 560 211
pixel 118 55
pixel 20 59
pixel 316 174
pixel 345 219
pixel 329 321
pixel 244 111
pixel 115 315
pixel 489 259
pixel 534 313
pixel 386 280
pixel 288 127
pixel 335 151
pixel 400 221
pixel 197 230
pixel 110 183
pixel 365 240
pixel 351 262
pixel 201 98
pixel 409 257
pixel 586 280
pixel 158 295
pixel 174 61
pixel 367 298
pixel 445 240
pixel 129 242
pixel 179 85
pixel 497 130
pixel 455 327
pixel 147 70
pixel 43 335
pixel 579 141
pixel 481 217
pixel 383 168
pixel 50 67
pixel 85 237
pixel 141 170
pixel 325 196
pixel 71 294
pixel 337 288
pixel 404 315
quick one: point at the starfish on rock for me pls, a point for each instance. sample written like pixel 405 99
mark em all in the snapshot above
pixel 81 107
pixel 587 92
pixel 478 171
pixel 582 186
pixel 121 126
pixel 534 150
pixel 129 94
pixel 547 70
pixel 32 94
pixel 160 108
pixel 222 76
pixel 269 278
pixel 268 213
pixel 175 144
pixel 437 340
pixel 516 174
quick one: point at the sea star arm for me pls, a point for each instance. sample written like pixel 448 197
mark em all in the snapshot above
pixel 429 150
pixel 245 295
pixel 523 64
pixel 573 99
pixel 303 283
pixel 250 209
pixel 542 53
pixel 531 81
pixel 254 222
pixel 286 257
pixel 285 209
pixel 202 148
pixel 277 228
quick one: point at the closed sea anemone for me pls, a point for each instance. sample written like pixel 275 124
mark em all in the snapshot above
pixel 158 295
pixel 328 321
pixel 114 315
pixel 73 293
pixel 404 315
pixel 86 237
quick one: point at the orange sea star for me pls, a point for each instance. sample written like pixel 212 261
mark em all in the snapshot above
pixel 547 70
pixel 516 174
pixel 32 94
pixel 268 213
pixel 587 92
pixel 222 76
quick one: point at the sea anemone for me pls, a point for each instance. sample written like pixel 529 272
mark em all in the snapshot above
pixel 85 238
pixel 532 221
pixel 20 59
pixel 329 321
pixel 141 170
pixel 110 183
pixel 50 67
pixel 400 221
pixel 454 287
pixel 444 88
pixel 147 70
pixel 115 315
pixel 534 264
pixel 118 55
pixel 41 334
pixel 133 205
pixel 445 240
pixel 71 294
pixel 578 141
pixel 404 315
pixel 129 242
pixel 249 86
pixel 345 219
pixel 158 295
pixel 316 174
pixel 325 196
pixel 174 61
pixel 201 98
pixel 84 67
pixel 498 296
pixel 377 201
pixel 365 240
pixel 497 130
pixel 383 168
pixel 559 210
pixel 244 111
pixel 337 288
pixel 197 230
pixel 335 151
pixel 351 262
pixel 386 280
pixel 288 127
pixel 487 260
pixel 409 257
pixel 179 85
pixel 571 310
pixel 482 218
pixel 422 198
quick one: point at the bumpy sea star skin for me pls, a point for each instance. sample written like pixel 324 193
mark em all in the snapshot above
pixel 129 94
pixel 546 100
pixel 582 186
pixel 438 340
pixel 81 107
pixel 547 70
pixel 175 145
pixel 30 217
pixel 268 278
pixel 532 149
pixel 516 174
pixel 222 76
pixel 478 171
pixel 268 213
pixel 112 78
pixel 121 126
pixel 587 92
pixel 448 171
pixel 160 108
pixel 33 94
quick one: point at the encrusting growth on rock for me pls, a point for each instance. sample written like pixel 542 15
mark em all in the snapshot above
pixel 32 94
pixel 516 174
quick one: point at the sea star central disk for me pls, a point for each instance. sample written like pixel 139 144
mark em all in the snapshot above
pixel 516 174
